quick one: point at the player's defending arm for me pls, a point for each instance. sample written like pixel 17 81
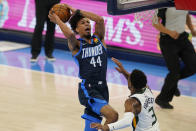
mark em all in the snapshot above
pixel 132 108
pixel 190 25
pixel 68 33
pixel 120 68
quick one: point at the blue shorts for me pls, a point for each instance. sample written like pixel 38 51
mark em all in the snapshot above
pixel 93 95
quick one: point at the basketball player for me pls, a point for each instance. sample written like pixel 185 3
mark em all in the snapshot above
pixel 90 54
pixel 139 110
pixel 175 45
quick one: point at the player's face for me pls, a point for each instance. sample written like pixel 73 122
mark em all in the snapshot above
pixel 84 28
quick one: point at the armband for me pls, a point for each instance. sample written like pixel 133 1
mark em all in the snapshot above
pixel 126 121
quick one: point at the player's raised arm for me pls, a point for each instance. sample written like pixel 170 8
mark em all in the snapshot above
pixel 68 33
pixel 120 68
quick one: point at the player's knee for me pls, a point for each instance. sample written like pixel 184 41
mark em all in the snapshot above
pixel 113 117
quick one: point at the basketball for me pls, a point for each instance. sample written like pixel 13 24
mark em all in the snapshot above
pixel 62 12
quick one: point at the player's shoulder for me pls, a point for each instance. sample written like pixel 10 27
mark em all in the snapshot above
pixel 140 96
pixel 132 100
pixel 132 104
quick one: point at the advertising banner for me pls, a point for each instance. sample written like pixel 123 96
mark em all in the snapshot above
pixel 121 31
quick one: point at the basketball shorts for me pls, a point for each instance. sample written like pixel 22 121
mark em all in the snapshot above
pixel 93 95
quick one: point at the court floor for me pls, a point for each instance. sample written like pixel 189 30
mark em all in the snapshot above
pixel 43 96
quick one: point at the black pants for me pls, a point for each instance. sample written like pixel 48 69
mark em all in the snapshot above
pixel 172 51
pixel 42 10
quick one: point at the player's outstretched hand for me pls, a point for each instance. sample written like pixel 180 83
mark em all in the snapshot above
pixel 53 17
pixel 98 126
pixel 120 68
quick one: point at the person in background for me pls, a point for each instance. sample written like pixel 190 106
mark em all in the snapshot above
pixel 175 46
pixel 42 10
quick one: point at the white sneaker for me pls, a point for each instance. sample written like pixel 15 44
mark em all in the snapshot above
pixel 50 58
pixel 34 59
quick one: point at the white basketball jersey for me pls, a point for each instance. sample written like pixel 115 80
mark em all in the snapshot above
pixel 146 119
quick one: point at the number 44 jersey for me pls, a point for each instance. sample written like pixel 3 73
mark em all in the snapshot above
pixel 146 119
pixel 92 60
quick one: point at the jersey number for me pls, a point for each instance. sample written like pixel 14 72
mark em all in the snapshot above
pixel 93 61
pixel 153 115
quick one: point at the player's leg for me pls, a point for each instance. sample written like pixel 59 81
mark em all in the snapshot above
pixel 101 108
pixel 101 105
pixel 109 113
pixel 88 125
pixel 90 117
pixel 95 99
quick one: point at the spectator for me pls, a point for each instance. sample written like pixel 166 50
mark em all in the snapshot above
pixel 175 45
pixel 42 11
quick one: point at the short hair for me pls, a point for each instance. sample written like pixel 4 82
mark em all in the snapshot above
pixel 75 19
pixel 138 79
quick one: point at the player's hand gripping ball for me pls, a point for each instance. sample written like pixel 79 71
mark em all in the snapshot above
pixel 62 11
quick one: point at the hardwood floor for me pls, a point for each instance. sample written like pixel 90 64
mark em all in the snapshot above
pixel 39 101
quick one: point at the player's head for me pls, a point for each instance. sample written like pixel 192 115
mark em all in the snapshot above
pixel 80 25
pixel 137 80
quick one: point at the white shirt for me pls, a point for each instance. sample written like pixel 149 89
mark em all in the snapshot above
pixel 176 19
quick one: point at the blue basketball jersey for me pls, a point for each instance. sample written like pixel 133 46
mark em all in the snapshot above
pixel 92 60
